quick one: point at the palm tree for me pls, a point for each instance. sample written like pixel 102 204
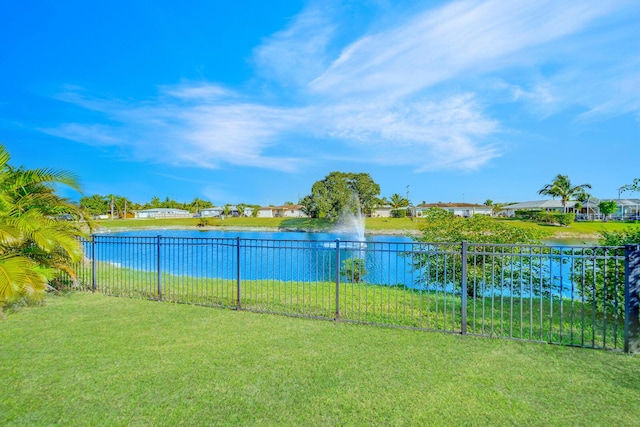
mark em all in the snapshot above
pixel 561 187
pixel 37 242
pixel 397 201
pixel 117 205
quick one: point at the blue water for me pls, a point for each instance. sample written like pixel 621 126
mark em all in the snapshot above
pixel 286 256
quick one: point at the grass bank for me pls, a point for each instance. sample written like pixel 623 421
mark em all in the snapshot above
pixel 534 318
pixel 87 359
pixel 575 233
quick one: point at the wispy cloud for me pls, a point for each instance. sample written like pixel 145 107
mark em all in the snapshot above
pixel 297 54
pixel 412 93
pixel 91 134
pixel 427 134
pixel 463 37
pixel 197 126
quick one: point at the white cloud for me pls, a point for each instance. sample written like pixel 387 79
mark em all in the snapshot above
pixel 381 98
pixel 543 99
pixel 94 134
pixel 428 134
pixel 297 54
pixel 463 37
pixel 204 130
pixel 201 91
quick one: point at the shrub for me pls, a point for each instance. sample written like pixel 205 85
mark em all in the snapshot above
pixel 565 219
pixel 399 213
pixel 354 269
pixel 547 217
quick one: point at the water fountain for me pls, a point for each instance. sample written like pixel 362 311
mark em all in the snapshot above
pixel 351 223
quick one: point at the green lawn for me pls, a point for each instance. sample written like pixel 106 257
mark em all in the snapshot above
pixel 567 322
pixel 284 223
pixel 574 233
pixel 87 359
pixel 587 229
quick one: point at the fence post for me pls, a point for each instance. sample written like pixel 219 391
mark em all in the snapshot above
pixel 463 302
pixel 337 279
pixel 238 282
pixel 158 242
pixel 93 263
pixel 631 298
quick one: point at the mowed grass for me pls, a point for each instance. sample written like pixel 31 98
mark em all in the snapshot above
pixel 558 321
pixel 578 230
pixel 86 359
pixel 588 229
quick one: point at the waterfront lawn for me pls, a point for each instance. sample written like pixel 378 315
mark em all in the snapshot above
pixel 189 222
pixel 561 321
pixel 86 359
pixel 590 229
pixel 315 224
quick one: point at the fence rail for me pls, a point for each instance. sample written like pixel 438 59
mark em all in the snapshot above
pixel 579 296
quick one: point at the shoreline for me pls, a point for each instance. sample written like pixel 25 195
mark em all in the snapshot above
pixel 383 232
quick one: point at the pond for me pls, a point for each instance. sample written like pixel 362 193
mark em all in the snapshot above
pixel 300 256
pixel 286 256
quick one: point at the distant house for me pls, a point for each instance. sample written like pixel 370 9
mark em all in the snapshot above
pixel 458 209
pixel 285 211
pixel 382 212
pixel 219 211
pixel 160 213
pixel 627 208
pixel 211 212
pixel 232 211
pixel 537 205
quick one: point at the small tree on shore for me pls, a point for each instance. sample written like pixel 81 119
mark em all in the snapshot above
pixel 607 208
pixel 445 232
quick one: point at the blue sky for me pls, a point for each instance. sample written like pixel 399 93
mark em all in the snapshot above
pixel 254 101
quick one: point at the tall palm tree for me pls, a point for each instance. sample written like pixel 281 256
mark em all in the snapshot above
pixel 561 187
pixel 397 201
pixel 37 242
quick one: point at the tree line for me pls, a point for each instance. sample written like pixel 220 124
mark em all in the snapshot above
pixel 119 206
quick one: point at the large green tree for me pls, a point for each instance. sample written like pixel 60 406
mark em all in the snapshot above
pixel 39 230
pixel 95 204
pixel 340 191
pixel 562 187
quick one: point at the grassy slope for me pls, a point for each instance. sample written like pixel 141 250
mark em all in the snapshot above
pixel 92 360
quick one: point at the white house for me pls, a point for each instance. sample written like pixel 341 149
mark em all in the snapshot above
pixel 627 208
pixel 285 211
pixel 382 212
pixel 163 213
pixel 458 209
pixel 211 212
pixel 537 205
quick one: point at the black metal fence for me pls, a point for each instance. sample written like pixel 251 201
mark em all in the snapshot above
pixel 569 295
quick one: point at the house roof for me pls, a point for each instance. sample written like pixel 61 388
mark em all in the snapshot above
pixel 454 205
pixel 174 210
pixel 623 202
pixel 538 204
pixel 285 207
